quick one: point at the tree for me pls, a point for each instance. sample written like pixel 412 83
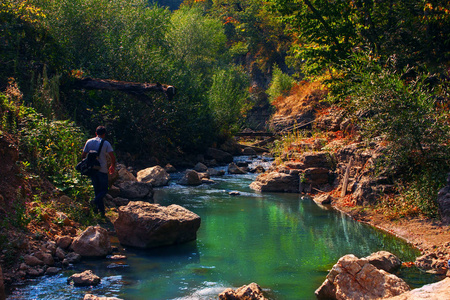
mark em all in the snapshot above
pixel 328 32
pixel 228 98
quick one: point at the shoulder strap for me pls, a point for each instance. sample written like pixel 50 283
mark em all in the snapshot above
pixel 101 145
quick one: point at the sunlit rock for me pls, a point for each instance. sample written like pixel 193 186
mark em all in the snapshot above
pixel 156 175
pixel 275 182
pixel 438 290
pixel 323 199
pixel 247 292
pixel 145 225
pixel 86 278
pixel 93 242
pixel 354 278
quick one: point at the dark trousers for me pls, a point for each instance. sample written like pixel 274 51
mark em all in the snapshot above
pixel 100 183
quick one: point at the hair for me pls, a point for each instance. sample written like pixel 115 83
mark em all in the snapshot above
pixel 101 130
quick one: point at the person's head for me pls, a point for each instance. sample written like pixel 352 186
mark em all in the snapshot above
pixel 100 131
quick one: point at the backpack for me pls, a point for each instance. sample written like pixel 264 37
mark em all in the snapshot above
pixel 90 164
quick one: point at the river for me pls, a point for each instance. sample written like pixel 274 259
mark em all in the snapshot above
pixel 284 242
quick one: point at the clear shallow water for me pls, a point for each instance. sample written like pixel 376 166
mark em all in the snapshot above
pixel 283 242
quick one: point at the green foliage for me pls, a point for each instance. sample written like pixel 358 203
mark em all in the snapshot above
pixel 106 39
pixel 406 114
pixel 195 40
pixel 280 85
pixel 410 113
pixel 416 197
pixel 53 147
pixel 228 98
pixel 255 34
pixel 328 32
pixel 23 42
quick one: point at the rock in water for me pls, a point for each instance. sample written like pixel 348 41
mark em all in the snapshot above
pixel 190 177
pixel 146 225
pixel 247 292
pixel 86 278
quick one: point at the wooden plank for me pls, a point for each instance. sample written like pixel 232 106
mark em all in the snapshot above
pixel 346 176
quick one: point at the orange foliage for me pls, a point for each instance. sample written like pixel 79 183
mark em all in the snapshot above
pixel 408 264
pixel 349 201
pixel 304 96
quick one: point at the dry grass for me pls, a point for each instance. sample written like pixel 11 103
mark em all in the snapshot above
pixel 304 96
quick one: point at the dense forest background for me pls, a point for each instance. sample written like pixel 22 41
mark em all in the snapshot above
pixel 384 63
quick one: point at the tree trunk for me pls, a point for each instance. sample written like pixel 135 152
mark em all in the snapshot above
pixel 127 87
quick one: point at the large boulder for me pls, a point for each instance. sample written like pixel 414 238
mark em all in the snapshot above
pixel 221 157
pixel 434 291
pixel 190 177
pixel 156 175
pixel 93 242
pixel 86 278
pixel 145 225
pixel 276 182
pixel 247 292
pixel 354 278
pixel 135 190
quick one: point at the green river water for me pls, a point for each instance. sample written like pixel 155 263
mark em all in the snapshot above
pixel 284 242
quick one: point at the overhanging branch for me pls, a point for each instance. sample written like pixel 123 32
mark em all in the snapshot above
pixel 123 86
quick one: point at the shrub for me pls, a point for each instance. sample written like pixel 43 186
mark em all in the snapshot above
pixel 280 85
pixel 405 110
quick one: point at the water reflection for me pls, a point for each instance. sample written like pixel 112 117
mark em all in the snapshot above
pixel 284 242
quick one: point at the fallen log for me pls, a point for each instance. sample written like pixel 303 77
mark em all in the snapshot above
pixel 123 86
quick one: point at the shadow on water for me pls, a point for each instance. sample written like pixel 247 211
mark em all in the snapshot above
pixel 284 242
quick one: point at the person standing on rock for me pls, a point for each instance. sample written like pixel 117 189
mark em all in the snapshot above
pixel 100 178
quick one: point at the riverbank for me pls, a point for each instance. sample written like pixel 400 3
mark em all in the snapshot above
pixel 427 235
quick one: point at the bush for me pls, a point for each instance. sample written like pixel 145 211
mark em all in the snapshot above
pixel 280 85
pixel 228 98
pixel 406 111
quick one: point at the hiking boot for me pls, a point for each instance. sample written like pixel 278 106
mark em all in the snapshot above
pixel 94 207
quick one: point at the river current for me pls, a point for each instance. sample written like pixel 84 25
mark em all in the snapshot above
pixel 284 242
